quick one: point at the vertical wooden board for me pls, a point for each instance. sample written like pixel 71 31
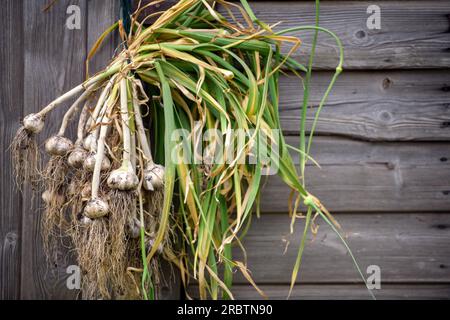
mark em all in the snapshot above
pixel 101 14
pixel 11 102
pixel 408 248
pixel 54 63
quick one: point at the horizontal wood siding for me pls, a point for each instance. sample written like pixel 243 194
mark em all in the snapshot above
pixel 407 248
pixel 342 292
pixel 381 105
pixel 371 176
pixel 11 105
pixel 413 34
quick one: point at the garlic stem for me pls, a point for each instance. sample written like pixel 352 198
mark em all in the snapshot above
pixel 143 142
pixel 114 68
pixel 80 88
pixel 100 117
pixel 125 124
pixel 98 121
pixel 133 150
pixel 68 95
pixel 78 155
pixel 99 159
pixel 125 178
pixel 81 124
pixel 153 174
pixel 101 101
pixel 100 154
pixel 69 114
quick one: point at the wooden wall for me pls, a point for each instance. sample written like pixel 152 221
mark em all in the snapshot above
pixel 383 145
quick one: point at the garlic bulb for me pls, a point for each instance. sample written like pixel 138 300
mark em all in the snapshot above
pixel 90 142
pixel 96 208
pixel 33 123
pixel 77 157
pixel 52 198
pixel 123 179
pixel 89 163
pixel 58 145
pixel 46 196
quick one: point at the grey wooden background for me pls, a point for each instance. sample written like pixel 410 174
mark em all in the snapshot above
pixel 383 144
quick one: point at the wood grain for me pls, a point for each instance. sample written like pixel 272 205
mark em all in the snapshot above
pixel 377 105
pixel 11 102
pixel 54 63
pixel 342 292
pixel 101 15
pixel 407 248
pixel 407 38
pixel 358 176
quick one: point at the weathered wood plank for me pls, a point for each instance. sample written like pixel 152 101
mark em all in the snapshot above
pixel 406 247
pixel 343 292
pixel 357 176
pixel 406 39
pixel 376 105
pixel 101 15
pixel 11 102
pixel 54 63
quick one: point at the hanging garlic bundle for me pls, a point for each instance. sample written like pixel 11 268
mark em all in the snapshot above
pixel 112 189
pixel 106 178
